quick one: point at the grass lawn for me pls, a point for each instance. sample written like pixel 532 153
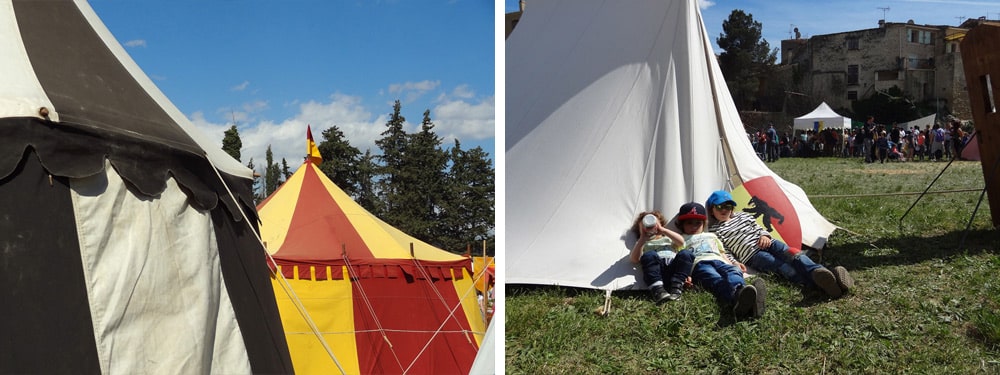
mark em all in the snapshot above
pixel 926 300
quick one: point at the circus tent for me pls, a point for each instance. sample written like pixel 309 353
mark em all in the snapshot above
pixel 375 300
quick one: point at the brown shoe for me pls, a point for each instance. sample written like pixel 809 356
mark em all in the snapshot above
pixel 826 282
pixel 844 279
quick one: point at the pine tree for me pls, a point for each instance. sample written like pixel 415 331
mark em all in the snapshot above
pixel 339 161
pixel 747 57
pixel 424 165
pixel 365 171
pixel 285 172
pixel 389 176
pixel 272 174
pixel 231 142
pixel 468 211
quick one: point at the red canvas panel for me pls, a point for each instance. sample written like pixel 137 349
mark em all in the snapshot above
pixel 409 322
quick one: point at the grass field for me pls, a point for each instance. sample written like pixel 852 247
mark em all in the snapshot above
pixel 926 301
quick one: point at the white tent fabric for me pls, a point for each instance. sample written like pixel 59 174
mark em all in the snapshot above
pixel 485 362
pixel 921 122
pixel 823 117
pixel 614 108
pixel 131 247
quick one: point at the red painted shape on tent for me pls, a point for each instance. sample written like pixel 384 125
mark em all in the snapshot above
pixel 319 229
pixel 769 203
pixel 410 312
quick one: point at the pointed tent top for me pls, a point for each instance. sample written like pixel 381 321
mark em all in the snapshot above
pixel 309 221
pixel 312 152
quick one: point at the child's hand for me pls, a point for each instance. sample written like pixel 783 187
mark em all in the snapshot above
pixel 742 266
pixel 763 242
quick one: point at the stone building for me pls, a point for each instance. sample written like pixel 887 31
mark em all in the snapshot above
pixel 922 60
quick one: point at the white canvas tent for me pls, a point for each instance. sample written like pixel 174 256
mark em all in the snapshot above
pixel 614 108
pixel 920 122
pixel 823 117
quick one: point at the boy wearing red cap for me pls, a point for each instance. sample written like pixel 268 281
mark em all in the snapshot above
pixel 713 270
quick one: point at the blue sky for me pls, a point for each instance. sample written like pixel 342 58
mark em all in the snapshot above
pixel 276 66
pixel 779 17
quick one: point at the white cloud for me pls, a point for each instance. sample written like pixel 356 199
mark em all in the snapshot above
pixel 454 115
pixel 241 87
pixel 705 4
pixel 464 120
pixel 411 91
pixel 135 43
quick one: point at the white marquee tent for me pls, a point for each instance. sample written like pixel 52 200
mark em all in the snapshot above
pixel 822 117
pixel 614 108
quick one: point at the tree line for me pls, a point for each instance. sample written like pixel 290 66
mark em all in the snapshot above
pixel 442 196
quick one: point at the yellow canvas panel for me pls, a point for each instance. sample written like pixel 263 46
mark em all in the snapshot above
pixel 740 194
pixel 331 307
pixel 470 305
pixel 276 216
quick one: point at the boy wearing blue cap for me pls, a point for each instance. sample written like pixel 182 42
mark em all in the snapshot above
pixel 753 246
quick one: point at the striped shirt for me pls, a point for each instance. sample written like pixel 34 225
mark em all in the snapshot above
pixel 739 234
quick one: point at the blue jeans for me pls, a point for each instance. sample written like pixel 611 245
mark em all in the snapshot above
pixel 655 268
pixel 719 277
pixel 778 259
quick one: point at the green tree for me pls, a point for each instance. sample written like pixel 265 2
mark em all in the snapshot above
pixel 365 171
pixel 285 172
pixel 888 106
pixel 231 142
pixel 747 57
pixel 258 184
pixel 467 217
pixel 272 173
pixel 340 161
pixel 390 176
pixel 424 164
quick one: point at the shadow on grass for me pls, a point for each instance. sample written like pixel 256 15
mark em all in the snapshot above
pixel 859 253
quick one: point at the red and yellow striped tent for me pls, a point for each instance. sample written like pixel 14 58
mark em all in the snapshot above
pixel 383 302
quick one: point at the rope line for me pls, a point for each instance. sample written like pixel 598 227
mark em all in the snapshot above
pixel 368 306
pixel 892 194
pixel 287 288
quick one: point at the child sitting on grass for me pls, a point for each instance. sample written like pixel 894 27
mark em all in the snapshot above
pixel 654 250
pixel 713 270
pixel 753 246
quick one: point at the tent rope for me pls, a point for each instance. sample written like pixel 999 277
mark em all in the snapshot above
pixel 451 310
pixel 368 306
pixel 287 288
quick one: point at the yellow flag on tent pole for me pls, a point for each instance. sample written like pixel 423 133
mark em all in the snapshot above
pixel 312 152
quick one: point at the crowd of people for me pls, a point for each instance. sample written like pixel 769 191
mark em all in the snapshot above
pixel 873 142
pixel 714 248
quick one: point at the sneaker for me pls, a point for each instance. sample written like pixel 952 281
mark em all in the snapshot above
pixel 826 282
pixel 844 279
pixel 758 307
pixel 674 294
pixel 746 298
pixel 658 293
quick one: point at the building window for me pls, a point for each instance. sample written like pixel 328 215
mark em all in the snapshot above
pixel 852 74
pixel 852 95
pixel 853 43
pixel 920 36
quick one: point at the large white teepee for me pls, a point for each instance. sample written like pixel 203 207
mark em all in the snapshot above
pixel 614 108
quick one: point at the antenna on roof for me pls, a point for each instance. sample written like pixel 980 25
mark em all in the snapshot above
pixel 960 19
pixel 885 9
